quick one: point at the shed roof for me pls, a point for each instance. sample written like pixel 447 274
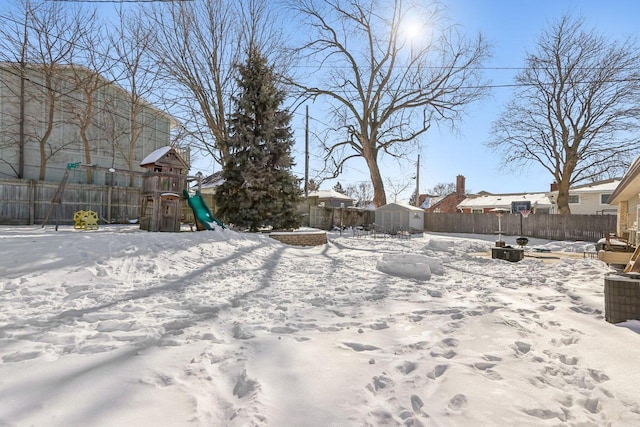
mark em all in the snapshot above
pixel 399 206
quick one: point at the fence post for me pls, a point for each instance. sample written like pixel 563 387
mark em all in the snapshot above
pixel 32 202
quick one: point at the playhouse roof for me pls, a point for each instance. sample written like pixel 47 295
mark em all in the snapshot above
pixel 157 155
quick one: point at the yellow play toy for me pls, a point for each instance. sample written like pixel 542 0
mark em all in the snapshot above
pixel 85 220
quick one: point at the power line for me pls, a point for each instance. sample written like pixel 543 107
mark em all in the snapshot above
pixel 119 1
pixel 292 93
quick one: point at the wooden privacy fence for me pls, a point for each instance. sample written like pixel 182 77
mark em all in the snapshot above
pixel 326 218
pixel 589 228
pixel 26 202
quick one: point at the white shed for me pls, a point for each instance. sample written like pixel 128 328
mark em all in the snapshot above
pixel 394 217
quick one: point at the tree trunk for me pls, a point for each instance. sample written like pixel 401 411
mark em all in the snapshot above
pixel 87 151
pixel 51 105
pixel 84 124
pixel 134 132
pixel 563 196
pixel 379 195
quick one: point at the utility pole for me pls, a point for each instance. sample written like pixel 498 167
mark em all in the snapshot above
pixel 418 183
pixel 306 155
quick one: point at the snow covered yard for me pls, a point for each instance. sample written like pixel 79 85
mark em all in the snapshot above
pixel 120 327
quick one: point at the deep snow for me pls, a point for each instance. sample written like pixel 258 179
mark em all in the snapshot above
pixel 121 327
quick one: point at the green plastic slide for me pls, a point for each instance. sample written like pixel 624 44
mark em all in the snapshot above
pixel 201 211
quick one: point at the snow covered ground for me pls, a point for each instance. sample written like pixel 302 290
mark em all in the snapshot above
pixel 121 327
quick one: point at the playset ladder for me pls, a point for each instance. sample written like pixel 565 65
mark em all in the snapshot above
pixel 632 266
pixel 56 198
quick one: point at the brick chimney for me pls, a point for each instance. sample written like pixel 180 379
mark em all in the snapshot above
pixel 554 186
pixel 460 185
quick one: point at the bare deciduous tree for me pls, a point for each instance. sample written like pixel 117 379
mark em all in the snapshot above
pixel 13 51
pixel 383 90
pixel 88 63
pixel 442 189
pixel 197 45
pixel 575 111
pixel 362 192
pixel 130 43
pixel 398 186
pixel 43 36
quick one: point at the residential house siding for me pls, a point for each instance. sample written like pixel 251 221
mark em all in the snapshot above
pixel 109 132
pixel 591 199
pixel 625 198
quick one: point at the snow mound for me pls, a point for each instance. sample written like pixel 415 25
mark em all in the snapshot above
pixel 441 245
pixel 413 266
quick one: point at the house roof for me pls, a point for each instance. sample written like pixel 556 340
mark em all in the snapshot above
pixel 328 194
pixel 597 187
pixel 430 201
pixel 504 201
pixel 448 202
pixel 629 185
pixel 213 180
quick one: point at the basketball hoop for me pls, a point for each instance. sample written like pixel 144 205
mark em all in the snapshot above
pixel 525 213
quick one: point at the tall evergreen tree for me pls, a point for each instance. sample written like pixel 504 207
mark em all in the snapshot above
pixel 259 187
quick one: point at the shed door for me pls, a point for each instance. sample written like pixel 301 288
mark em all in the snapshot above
pixel 397 221
pixel 386 221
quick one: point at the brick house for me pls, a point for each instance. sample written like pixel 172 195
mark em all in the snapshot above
pixel 449 203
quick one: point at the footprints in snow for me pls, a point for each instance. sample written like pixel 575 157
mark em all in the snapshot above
pixel 413 409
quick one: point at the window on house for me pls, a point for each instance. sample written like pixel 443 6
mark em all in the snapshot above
pixel 574 199
pixel 604 197
pixel 477 211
